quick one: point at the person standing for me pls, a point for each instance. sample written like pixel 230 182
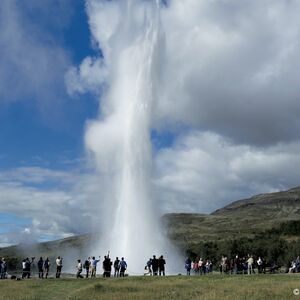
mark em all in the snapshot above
pixel 46 267
pixel 106 266
pixel 188 266
pixel 117 267
pixel 40 267
pixel 161 265
pixel 94 262
pixel 154 265
pixel 149 266
pixel 259 265
pixel 58 266
pixel 236 264
pixel 79 269
pixel 250 265
pixel 200 266
pixel 23 268
pixel 123 267
pixel 87 265
pixel 3 268
pixel 28 267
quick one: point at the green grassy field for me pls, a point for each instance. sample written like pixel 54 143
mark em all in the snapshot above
pixel 172 287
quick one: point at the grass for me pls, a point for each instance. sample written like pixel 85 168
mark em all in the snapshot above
pixel 171 287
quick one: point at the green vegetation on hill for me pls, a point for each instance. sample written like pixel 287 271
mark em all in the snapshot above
pixel 266 225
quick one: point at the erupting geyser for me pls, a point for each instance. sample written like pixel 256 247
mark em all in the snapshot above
pixel 120 139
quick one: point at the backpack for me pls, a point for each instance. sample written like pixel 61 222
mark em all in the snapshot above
pixel 46 264
pixel 40 264
pixel 86 264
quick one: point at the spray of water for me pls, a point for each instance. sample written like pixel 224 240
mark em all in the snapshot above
pixel 120 140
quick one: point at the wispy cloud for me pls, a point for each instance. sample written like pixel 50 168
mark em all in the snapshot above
pixel 204 171
pixel 32 63
pixel 53 209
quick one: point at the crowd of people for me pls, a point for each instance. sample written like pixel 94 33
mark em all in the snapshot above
pixel 154 266
pixel 84 269
pixel 235 265
pixel 199 266
pixel 89 265
pixel 43 267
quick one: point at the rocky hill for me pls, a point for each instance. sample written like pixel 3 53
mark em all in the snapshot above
pixel 242 218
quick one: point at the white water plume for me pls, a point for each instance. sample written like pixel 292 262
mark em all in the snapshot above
pixel 120 139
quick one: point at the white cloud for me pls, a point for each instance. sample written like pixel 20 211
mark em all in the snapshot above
pixel 232 68
pixel 89 77
pixel 54 210
pixel 204 171
pixel 32 64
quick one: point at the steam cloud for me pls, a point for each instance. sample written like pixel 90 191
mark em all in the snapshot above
pixel 120 141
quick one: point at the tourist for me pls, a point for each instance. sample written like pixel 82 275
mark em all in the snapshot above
pixel 161 265
pixel 147 271
pixel 236 264
pixel 223 265
pixel 244 265
pixel 154 265
pixel 200 266
pixel 123 267
pixel 3 268
pixel 94 263
pixel 107 266
pixel 46 267
pixel 117 267
pixel 58 266
pixel 195 267
pixel 87 265
pixel 188 266
pixel 259 265
pixel 23 268
pixel 40 267
pixel 208 266
pixel 149 265
pixel 79 269
pixel 26 265
pixel 292 268
pixel 297 262
pixel 250 265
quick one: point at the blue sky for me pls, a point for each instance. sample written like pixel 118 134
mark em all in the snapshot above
pixel 34 132
pixel 29 135
pixel 225 126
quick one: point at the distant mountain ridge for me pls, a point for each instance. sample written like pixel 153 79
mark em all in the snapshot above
pixel 290 198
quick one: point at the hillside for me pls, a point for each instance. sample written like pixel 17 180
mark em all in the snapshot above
pixel 242 218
